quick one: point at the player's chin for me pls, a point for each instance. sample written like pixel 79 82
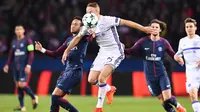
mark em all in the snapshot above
pixel 154 34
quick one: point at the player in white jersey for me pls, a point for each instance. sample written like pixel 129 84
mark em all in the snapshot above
pixel 189 48
pixel 110 54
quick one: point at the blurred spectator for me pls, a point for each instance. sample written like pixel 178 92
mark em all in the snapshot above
pixel 49 21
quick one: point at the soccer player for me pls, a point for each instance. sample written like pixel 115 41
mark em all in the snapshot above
pixel 21 54
pixel 152 49
pixel 110 54
pixel 73 70
pixel 189 48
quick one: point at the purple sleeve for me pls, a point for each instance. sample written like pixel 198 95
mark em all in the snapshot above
pixel 134 48
pixel 10 56
pixel 169 49
pixel 57 52
pixel 31 53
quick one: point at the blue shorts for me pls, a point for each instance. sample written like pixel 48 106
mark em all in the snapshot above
pixel 69 79
pixel 158 84
pixel 19 75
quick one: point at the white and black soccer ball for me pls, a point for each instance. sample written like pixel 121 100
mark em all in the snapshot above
pixel 90 20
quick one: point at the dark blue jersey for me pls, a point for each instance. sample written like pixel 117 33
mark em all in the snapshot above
pixel 21 52
pixel 152 53
pixel 77 54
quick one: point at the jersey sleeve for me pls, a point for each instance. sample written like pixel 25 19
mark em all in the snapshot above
pixel 135 48
pixel 169 49
pixel 180 50
pixel 30 48
pixel 10 55
pixel 58 52
pixel 112 21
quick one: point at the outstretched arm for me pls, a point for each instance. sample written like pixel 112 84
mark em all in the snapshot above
pixel 135 48
pixel 58 52
pixel 135 25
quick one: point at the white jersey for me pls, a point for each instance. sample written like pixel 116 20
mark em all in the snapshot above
pixel 190 50
pixel 106 34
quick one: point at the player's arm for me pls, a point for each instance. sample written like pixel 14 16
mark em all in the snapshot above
pixel 179 54
pixel 135 25
pixel 135 48
pixel 58 52
pixel 74 42
pixel 30 48
pixel 169 49
pixel 10 58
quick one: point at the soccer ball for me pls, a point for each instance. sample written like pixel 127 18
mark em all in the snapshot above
pixel 90 20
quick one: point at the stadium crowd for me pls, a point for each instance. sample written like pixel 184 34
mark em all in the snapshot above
pixel 49 21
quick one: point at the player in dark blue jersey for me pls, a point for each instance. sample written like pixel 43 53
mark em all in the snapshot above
pixel 21 55
pixel 152 49
pixel 74 67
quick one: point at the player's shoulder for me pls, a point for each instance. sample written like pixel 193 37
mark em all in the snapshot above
pixel 183 39
pixel 28 40
pixel 106 17
pixel 164 40
pixel 141 40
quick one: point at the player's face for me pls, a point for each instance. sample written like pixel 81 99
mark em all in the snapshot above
pixel 156 29
pixel 190 28
pixel 19 30
pixel 75 26
pixel 92 10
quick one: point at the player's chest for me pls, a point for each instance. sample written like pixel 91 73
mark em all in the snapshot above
pixel 191 44
pixel 153 49
pixel 19 45
pixel 101 30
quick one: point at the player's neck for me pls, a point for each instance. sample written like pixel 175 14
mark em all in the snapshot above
pixel 20 37
pixel 154 38
pixel 191 36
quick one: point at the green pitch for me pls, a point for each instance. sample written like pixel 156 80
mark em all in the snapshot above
pixel 87 104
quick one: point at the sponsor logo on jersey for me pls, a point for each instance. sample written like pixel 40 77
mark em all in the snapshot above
pixel 153 57
pixel 19 53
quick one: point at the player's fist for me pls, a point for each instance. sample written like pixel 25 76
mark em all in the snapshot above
pixel 38 46
pixel 27 69
pixel 5 68
pixel 179 60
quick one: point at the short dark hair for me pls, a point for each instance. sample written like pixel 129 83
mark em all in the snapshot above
pixel 79 18
pixel 163 25
pixel 93 4
pixel 190 20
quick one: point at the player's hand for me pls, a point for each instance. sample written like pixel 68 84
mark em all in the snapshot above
pixel 198 63
pixel 148 29
pixel 27 69
pixel 92 33
pixel 5 68
pixel 179 60
pixel 38 46
pixel 64 57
